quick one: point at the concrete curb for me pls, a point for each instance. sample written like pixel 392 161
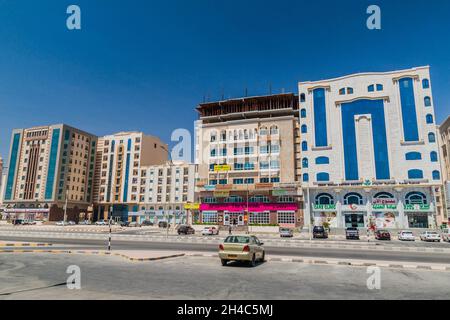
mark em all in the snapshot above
pixel 21 244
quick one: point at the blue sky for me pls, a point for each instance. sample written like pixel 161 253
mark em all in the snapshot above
pixel 145 65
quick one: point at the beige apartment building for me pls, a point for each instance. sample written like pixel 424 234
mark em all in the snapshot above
pixel 444 143
pixel 248 156
pixel 49 165
pixel 121 162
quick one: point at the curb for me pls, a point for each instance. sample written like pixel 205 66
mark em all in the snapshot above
pixel 25 245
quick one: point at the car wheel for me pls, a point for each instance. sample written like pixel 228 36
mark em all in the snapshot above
pixel 253 261
pixel 224 262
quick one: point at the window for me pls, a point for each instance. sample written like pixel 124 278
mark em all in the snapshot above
pixel 425 83
pixel 264 165
pixel 305 163
pixel 383 195
pixel 324 198
pixel 248 150
pixel 415 198
pixel 285 217
pixel 238 181
pixel 323 176
pixel 238 151
pixel 415 174
pixel 371 88
pixel 209 200
pixel 285 199
pixel 259 199
pixel 427 101
pixel 274 164
pixel 249 166
pixel 223 181
pixel 379 87
pixel 342 91
pixel 273 130
pixel 213 152
pixel 223 135
pixel 238 166
pixel 322 160
pixel 304 128
pixel 264 149
pixel 436 175
pixel 223 152
pixel 304 146
pixel 305 177
pixel 275 179
pixel 431 137
pixel 264 180
pixel 263 131
pixel 302 97
pixel 303 113
pixel 260 217
pixel 429 118
pixel 413 155
pixel 249 181
pixel 274 148
pixel 349 90
pixel 353 198
pixel 209 217
pixel 232 199
pixel 433 156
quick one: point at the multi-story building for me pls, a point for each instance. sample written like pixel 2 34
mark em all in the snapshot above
pixel 164 190
pixel 247 152
pixel 369 150
pixel 119 168
pixel 49 166
pixel 444 143
pixel 1 184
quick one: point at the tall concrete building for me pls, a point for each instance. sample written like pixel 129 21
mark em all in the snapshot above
pixel 369 150
pixel 248 156
pixel 48 165
pixel 444 143
pixel 119 168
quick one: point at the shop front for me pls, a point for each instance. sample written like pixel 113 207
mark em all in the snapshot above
pixel 385 213
pixel 28 214
pixel 354 216
pixel 325 213
pixel 419 215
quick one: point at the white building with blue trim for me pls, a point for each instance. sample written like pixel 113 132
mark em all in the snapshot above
pixel 369 150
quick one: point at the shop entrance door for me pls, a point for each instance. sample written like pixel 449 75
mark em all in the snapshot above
pixel 354 220
pixel 233 219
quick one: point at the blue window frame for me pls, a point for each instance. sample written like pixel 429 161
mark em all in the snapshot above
pixel 305 177
pixel 415 174
pixel 371 88
pixel 342 91
pixel 408 105
pixel 324 198
pixel 322 160
pixel 304 146
pixel 12 166
pixel 415 197
pixel 302 97
pixel 127 174
pixel 353 198
pixel 305 163
pixel 431 137
pixel 425 83
pixel 320 118
pixel 349 90
pixel 304 128
pixel 413 155
pixel 427 101
pixel 323 176
pixel 429 118
pixel 303 113
pixel 436 175
pixel 433 156
pixel 379 87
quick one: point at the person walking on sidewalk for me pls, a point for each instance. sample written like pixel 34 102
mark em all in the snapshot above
pixel 229 230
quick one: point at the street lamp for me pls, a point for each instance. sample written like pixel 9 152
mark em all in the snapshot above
pixel 170 166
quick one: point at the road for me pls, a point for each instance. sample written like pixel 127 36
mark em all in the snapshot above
pixel 322 252
pixel 43 276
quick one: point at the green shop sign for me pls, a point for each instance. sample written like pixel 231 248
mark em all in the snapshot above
pixel 324 207
pixel 384 207
pixel 417 207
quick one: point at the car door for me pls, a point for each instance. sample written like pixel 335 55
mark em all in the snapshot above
pixel 258 248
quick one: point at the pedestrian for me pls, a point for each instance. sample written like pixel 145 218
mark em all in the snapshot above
pixel 229 229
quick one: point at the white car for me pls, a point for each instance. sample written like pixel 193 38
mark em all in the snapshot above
pixel 406 235
pixel 210 231
pixel 101 223
pixel 430 236
pixel 446 234
pixel 62 223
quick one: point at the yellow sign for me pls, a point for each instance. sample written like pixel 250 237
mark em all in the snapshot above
pixel 192 206
pixel 221 194
pixel 222 167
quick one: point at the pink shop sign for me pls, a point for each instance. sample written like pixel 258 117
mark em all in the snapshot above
pixel 252 207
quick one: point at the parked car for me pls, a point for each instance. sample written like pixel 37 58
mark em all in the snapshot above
pixel 62 223
pixel 320 232
pixel 352 233
pixel 210 231
pixel 124 223
pixel 430 236
pixel 241 248
pixel 71 223
pixel 101 223
pixel 85 222
pixel 382 234
pixel 286 232
pixel 445 234
pixel 185 229
pixel 28 222
pixel 163 224
pixel 146 223
pixel 133 224
pixel 406 235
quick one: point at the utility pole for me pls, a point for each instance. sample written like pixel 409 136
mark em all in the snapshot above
pixel 109 224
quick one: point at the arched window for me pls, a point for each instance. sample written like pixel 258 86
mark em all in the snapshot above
pixel 415 174
pixel 305 177
pixel 379 87
pixel 349 90
pixel 324 198
pixel 241 135
pixel 353 198
pixel 433 156
pixel 425 83
pixel 342 91
pixel 304 146
pixel 245 134
pixel 429 118
pixel 431 137
pixel 371 88
pixel 273 130
pixel 304 128
pixel 303 113
pixel 427 101
pixel 302 97
pixel 213 136
pixel 383 195
pixel 436 175
pixel 322 160
pixel 413 155
pixel 263 131
pixel 415 197
pixel 323 176
pixel 223 135
pixel 305 163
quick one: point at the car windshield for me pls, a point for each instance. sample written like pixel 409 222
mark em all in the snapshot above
pixel 237 239
pixel 432 232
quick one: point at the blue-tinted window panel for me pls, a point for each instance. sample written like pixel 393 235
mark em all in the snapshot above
pixel 127 174
pixel 66 135
pixel 305 163
pixel 304 128
pixel 302 97
pixel 431 137
pixel 322 160
pixel 52 164
pixel 371 88
pixel 379 87
pixel 349 90
pixel 323 176
pixel 12 166
pixel 425 83
pixel 413 155
pixel 305 177
pixel 303 113
pixel 436 175
pixel 304 146
pixel 376 109
pixel 342 91
pixel 427 101
pixel 408 104
pixel 415 174
pixel 129 145
pixel 433 156
pixel 429 118
pixel 320 118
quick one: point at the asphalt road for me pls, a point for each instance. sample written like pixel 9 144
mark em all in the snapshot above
pixel 43 276
pixel 322 252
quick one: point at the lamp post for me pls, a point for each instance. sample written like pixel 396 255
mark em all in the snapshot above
pixel 109 224
pixel 170 166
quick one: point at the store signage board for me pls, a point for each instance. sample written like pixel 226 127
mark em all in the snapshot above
pixel 324 207
pixel 417 207
pixel 222 167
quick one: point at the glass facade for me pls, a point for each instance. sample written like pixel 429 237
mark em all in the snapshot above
pixel 52 164
pixel 12 166
pixel 320 118
pixel 409 116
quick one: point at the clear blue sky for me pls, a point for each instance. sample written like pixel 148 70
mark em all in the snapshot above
pixel 144 65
